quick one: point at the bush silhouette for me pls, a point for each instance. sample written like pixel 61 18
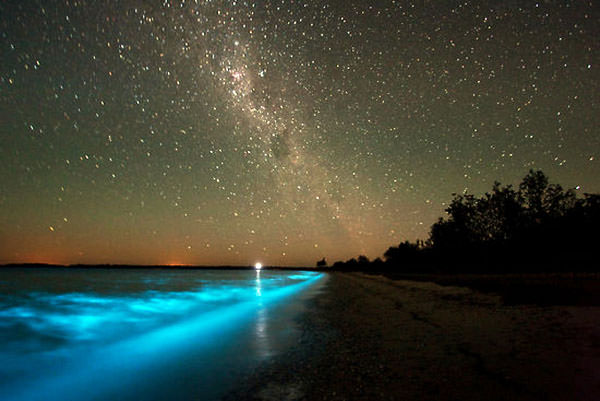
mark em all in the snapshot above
pixel 322 263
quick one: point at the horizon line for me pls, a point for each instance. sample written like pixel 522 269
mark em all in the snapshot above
pixel 124 265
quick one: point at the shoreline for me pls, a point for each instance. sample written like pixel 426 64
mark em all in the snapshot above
pixel 369 337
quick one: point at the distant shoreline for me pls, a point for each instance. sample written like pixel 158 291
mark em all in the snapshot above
pixel 165 267
pixel 440 277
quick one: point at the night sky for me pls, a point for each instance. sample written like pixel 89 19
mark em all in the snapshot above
pixel 231 132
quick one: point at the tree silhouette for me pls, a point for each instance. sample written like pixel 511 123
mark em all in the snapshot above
pixel 404 251
pixel 322 263
pixel 531 191
pixel 540 226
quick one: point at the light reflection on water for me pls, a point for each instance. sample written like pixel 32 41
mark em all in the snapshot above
pixel 260 332
pixel 138 331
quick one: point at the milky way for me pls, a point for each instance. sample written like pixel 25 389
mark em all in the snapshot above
pixel 231 132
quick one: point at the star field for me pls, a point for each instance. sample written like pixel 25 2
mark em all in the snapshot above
pixel 229 132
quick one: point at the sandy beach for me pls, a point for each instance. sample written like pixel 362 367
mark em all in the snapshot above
pixel 372 338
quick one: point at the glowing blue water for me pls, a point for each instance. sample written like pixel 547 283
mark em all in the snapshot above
pixel 141 334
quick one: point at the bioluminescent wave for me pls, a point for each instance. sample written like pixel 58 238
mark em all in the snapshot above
pixel 141 334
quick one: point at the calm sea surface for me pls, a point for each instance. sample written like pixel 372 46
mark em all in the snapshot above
pixel 134 334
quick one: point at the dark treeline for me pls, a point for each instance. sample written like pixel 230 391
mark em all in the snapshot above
pixel 536 227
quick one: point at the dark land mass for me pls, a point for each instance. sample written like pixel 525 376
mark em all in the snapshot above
pixel 367 337
pixel 542 289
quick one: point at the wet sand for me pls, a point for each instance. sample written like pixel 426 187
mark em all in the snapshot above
pixel 372 338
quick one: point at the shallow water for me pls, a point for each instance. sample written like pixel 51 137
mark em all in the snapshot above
pixel 78 334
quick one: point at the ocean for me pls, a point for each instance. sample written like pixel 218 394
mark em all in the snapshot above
pixel 142 334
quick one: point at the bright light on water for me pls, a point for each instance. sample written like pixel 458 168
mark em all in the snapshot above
pixel 140 334
pixel 258 266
